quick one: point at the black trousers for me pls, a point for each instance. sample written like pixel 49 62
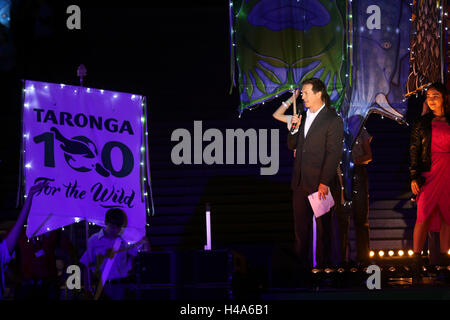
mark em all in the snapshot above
pixel 303 227
pixel 360 212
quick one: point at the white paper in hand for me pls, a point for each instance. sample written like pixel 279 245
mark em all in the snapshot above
pixel 320 206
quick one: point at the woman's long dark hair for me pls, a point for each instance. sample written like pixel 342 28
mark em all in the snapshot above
pixel 439 87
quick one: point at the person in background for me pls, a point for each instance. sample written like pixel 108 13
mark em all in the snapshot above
pixel 7 245
pixel 430 174
pixel 362 155
pixel 110 259
pixel 433 236
pixel 37 259
pixel 280 113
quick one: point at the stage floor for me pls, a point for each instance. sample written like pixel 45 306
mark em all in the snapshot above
pixel 392 289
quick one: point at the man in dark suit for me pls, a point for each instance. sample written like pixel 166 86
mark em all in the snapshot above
pixel 318 143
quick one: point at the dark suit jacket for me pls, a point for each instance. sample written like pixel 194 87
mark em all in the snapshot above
pixel 317 155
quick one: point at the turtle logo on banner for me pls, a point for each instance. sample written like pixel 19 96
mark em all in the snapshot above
pixel 81 154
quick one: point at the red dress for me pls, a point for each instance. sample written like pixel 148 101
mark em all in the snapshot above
pixel 434 197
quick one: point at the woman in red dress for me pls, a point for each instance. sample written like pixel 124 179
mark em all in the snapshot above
pixel 430 171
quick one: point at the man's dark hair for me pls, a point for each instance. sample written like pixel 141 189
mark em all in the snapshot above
pixel 115 216
pixel 319 86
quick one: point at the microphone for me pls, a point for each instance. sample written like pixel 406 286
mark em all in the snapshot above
pixel 303 113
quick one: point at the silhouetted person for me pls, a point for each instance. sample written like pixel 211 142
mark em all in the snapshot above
pixel 110 258
pixel 7 245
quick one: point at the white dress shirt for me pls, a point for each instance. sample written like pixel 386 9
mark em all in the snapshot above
pixel 310 116
pixel 98 246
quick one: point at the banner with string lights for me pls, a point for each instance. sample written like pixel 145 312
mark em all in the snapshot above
pixel 91 147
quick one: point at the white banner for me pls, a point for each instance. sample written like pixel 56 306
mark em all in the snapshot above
pixel 89 144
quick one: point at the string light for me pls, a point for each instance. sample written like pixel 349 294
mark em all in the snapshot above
pixel 400 253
